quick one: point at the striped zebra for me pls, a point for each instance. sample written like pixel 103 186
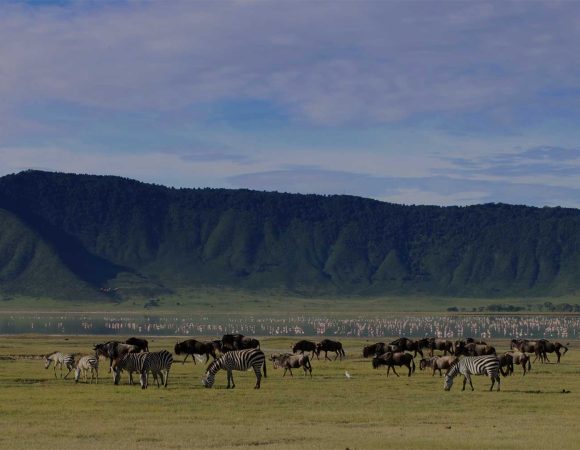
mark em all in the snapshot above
pixel 85 364
pixel 131 362
pixel 158 363
pixel 474 365
pixel 236 360
pixel 60 359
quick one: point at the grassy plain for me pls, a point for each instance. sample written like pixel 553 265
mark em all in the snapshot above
pixel 230 301
pixel 328 411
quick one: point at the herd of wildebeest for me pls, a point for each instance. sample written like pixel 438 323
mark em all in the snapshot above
pixel 239 352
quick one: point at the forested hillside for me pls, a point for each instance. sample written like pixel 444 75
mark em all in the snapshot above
pixel 65 236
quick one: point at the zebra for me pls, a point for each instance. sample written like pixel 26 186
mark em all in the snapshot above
pixel 158 363
pixel 131 362
pixel 60 359
pixel 474 365
pixel 236 360
pixel 85 364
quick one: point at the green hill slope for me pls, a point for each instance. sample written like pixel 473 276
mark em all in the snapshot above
pixel 109 231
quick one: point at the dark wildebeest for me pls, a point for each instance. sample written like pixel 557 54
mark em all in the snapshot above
pixel 437 363
pixel 474 349
pixel 304 346
pixel 395 359
pixel 326 345
pixel 191 347
pixel 238 342
pixel 506 360
pixel 521 359
pixel 289 362
pixel 441 345
pixel 554 347
pixel 409 345
pixel 375 349
pixel 113 350
pixel 141 344
pixel 526 346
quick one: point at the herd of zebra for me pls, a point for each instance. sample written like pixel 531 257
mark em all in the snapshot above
pixel 237 352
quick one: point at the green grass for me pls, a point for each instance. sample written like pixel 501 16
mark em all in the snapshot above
pixel 227 301
pixel 327 411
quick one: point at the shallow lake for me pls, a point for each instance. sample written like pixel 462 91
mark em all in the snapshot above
pixel 451 326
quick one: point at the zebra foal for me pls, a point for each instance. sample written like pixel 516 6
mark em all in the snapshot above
pixel 158 363
pixel 85 364
pixel 240 360
pixel 474 365
pixel 60 359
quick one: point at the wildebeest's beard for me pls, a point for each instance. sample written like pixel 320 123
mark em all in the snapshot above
pixel 448 383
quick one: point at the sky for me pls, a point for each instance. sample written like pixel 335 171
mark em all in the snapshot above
pixel 439 103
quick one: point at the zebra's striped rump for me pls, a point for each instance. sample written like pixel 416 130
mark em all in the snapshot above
pixel 158 363
pixel 240 360
pixel 474 365
pixel 130 362
pixel 85 364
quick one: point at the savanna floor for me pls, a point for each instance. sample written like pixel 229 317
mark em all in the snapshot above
pixel 329 411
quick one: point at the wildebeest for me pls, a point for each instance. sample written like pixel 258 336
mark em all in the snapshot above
pixel 238 342
pixel 409 345
pixel 289 362
pixel 113 350
pixel 440 344
pixel 142 344
pixel 437 363
pixel 521 359
pixel 326 345
pixel 527 346
pixel 474 349
pixel 395 359
pixel 304 346
pixel 506 360
pixel 554 347
pixel 191 347
pixel 374 349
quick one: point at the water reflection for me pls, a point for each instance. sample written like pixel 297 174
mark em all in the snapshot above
pixel 413 326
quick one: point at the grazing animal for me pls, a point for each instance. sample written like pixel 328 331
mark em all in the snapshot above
pixel 238 342
pixel 131 362
pixel 304 346
pixel 141 344
pixel 506 360
pixel 406 344
pixel 113 350
pixel 437 363
pixel 159 364
pixel 289 362
pixel 60 359
pixel 473 349
pixel 526 346
pixel 326 345
pixel 193 347
pixel 474 365
pixel 440 344
pixel 380 348
pixel 521 359
pixel 240 360
pixel 85 364
pixel 554 347
pixel 395 359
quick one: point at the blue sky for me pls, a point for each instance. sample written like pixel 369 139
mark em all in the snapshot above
pixel 446 103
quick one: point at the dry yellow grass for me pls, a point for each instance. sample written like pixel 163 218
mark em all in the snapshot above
pixel 328 412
